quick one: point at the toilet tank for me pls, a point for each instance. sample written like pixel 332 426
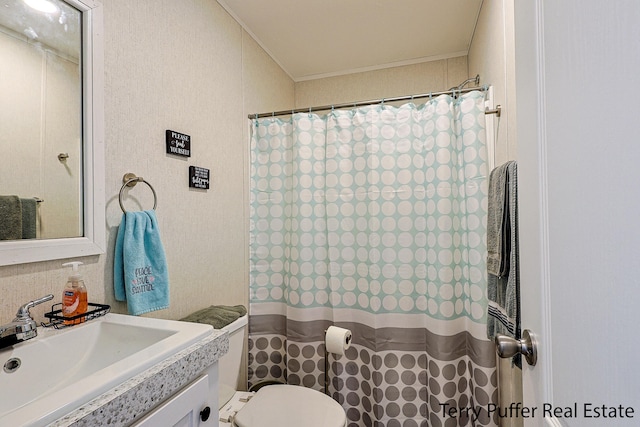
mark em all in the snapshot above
pixel 229 364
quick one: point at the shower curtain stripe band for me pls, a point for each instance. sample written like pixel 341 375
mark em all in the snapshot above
pixel 430 95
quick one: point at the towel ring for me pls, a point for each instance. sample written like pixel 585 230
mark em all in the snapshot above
pixel 130 180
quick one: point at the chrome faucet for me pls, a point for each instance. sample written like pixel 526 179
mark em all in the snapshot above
pixel 23 327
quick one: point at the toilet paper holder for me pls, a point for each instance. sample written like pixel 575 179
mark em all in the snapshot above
pixel 347 338
pixel 326 368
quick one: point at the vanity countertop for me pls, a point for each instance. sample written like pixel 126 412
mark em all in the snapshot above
pixel 125 403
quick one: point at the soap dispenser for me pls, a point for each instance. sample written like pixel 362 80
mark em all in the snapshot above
pixel 74 297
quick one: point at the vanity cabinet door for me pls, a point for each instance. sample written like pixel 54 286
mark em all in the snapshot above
pixel 186 409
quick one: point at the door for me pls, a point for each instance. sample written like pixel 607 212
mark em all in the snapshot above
pixel 577 68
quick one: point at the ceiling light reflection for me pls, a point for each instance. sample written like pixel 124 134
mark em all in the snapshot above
pixel 43 5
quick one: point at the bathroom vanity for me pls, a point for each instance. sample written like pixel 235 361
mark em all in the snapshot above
pixel 185 386
pixel 125 371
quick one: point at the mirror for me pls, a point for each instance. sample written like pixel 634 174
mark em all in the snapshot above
pixel 41 108
pixel 52 180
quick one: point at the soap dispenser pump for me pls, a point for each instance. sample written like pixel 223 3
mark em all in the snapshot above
pixel 74 297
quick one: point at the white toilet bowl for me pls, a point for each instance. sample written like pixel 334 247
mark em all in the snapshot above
pixel 290 406
pixel 274 405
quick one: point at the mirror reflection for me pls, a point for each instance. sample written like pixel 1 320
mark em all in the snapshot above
pixel 41 115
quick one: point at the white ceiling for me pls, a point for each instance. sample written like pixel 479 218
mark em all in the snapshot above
pixel 312 39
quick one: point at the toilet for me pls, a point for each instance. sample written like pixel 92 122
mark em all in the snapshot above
pixel 273 405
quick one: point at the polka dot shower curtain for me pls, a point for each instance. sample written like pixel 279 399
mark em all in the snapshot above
pixel 373 219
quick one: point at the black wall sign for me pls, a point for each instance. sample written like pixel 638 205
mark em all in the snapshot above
pixel 178 143
pixel 198 177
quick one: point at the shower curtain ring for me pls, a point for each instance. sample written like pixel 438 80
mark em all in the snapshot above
pixel 309 112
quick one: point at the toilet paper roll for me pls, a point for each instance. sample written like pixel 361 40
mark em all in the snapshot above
pixel 337 340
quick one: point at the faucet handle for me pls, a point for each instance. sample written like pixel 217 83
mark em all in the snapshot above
pixel 23 311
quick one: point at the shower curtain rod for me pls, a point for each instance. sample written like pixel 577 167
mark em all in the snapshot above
pixel 373 102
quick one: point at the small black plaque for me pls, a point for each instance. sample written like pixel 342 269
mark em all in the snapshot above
pixel 198 177
pixel 178 143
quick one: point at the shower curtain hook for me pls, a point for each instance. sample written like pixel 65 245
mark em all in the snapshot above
pixel 382 104
pixel 430 96
pixel 309 112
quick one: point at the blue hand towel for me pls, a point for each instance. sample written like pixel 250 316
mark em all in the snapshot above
pixel 140 266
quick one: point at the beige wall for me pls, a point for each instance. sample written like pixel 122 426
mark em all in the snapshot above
pixel 492 55
pixel 426 77
pixel 186 66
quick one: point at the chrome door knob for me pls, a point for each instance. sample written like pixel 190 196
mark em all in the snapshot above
pixel 527 346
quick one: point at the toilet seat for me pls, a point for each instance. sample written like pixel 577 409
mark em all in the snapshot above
pixel 290 406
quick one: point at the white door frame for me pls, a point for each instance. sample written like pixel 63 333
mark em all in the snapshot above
pixel 533 188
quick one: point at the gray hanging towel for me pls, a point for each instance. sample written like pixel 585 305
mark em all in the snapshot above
pixel 29 214
pixel 497 222
pixel 10 218
pixel 503 288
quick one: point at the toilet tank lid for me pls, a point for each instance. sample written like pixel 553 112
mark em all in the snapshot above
pixel 287 405
pixel 237 324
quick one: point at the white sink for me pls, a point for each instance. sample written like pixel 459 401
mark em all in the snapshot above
pixel 60 370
